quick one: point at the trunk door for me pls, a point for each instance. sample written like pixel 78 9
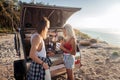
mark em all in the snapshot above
pixel 31 14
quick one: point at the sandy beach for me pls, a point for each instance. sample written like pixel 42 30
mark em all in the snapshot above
pixel 100 61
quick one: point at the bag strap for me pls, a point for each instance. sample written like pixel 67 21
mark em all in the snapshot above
pixel 78 50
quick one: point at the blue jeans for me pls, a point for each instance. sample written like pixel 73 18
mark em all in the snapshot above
pixel 69 61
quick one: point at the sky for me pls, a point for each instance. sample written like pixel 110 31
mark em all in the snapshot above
pixel 94 13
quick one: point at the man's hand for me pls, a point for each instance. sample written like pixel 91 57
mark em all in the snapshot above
pixel 45 66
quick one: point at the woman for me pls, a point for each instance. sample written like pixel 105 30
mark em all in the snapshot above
pixel 40 63
pixel 69 48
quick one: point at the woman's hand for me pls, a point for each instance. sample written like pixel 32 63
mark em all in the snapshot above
pixel 45 66
pixel 64 49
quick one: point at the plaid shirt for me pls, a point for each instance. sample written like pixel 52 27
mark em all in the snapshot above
pixel 36 71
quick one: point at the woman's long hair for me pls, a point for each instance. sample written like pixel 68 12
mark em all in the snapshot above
pixel 69 31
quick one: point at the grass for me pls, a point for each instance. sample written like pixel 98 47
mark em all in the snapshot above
pixel 5 30
pixel 81 35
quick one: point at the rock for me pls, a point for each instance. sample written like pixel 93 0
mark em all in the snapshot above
pixel 93 40
pixel 98 71
pixel 107 61
pixel 85 43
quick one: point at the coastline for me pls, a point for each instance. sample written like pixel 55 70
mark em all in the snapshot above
pixel 100 61
pixel 109 36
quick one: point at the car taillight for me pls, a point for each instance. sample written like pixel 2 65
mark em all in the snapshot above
pixel 77 61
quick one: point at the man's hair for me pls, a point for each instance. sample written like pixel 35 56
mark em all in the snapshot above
pixel 42 24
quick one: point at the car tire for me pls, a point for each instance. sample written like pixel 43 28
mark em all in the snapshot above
pixel 19 70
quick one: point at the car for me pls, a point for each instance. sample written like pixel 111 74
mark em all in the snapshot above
pixel 29 19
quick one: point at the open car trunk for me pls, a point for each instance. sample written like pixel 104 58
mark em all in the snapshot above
pixel 30 17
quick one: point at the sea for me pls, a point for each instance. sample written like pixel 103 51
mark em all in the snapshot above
pixel 111 36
